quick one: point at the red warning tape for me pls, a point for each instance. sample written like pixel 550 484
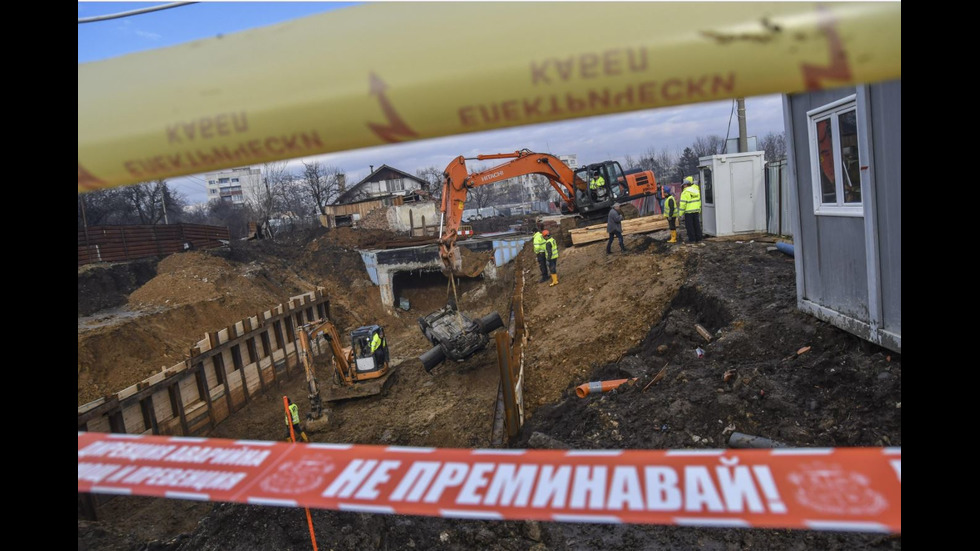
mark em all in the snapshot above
pixel 852 489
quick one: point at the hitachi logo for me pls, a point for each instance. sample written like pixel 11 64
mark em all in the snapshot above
pixel 491 176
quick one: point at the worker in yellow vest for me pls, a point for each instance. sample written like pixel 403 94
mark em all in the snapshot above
pixel 538 243
pixel 377 347
pixel 551 253
pixel 292 420
pixel 597 185
pixel 691 210
pixel 670 212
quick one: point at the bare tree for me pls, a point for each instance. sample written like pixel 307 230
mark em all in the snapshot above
pixel 774 144
pixel 481 197
pixel 711 145
pixel 226 213
pixel 663 163
pixel 148 201
pixel 104 207
pixel 295 198
pixel 199 214
pixel 630 162
pixel 542 190
pixel 322 183
pixel 434 180
pixel 263 200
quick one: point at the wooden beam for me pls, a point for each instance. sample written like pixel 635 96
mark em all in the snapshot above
pixel 219 369
pixel 236 357
pixel 178 401
pixel 633 226
pixel 150 413
pixel 203 390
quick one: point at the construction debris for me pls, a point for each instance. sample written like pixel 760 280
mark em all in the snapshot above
pixel 741 440
pixel 544 442
pixel 585 389
pixel 703 332
pixel 657 377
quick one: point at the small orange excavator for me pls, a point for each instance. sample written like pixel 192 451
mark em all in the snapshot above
pixel 360 369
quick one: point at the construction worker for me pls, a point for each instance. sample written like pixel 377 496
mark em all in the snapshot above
pixel 690 209
pixel 614 226
pixel 539 252
pixel 670 212
pixel 597 185
pixel 551 252
pixel 376 349
pixel 292 420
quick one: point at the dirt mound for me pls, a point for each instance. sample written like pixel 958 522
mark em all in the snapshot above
pixel 102 286
pixel 796 379
pixel 602 306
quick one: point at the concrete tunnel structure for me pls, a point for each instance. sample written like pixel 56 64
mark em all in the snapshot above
pixel 383 264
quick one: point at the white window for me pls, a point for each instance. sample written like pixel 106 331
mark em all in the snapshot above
pixel 835 163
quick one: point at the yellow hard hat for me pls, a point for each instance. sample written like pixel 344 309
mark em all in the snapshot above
pixel 689 180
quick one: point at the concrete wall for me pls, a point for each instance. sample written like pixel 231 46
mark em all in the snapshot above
pixel 383 264
pixel 402 218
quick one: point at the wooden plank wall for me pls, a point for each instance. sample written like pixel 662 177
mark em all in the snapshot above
pixel 221 374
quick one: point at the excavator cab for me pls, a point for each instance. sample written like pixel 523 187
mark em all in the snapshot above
pixel 365 360
pixel 602 197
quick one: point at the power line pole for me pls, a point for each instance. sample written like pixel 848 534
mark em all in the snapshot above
pixel 743 139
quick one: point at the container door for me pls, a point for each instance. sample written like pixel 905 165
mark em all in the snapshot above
pixel 709 218
pixel 743 195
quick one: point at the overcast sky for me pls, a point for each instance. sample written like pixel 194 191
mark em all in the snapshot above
pixel 593 139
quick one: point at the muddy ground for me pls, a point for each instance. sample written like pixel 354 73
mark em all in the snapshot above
pixel 625 315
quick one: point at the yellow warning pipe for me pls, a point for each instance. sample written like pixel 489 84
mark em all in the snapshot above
pixel 393 72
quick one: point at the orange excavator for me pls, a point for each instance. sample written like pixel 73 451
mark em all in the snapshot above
pixel 590 190
pixel 360 369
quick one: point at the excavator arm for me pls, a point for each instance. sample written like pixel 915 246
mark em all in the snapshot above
pixel 344 357
pixel 458 181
